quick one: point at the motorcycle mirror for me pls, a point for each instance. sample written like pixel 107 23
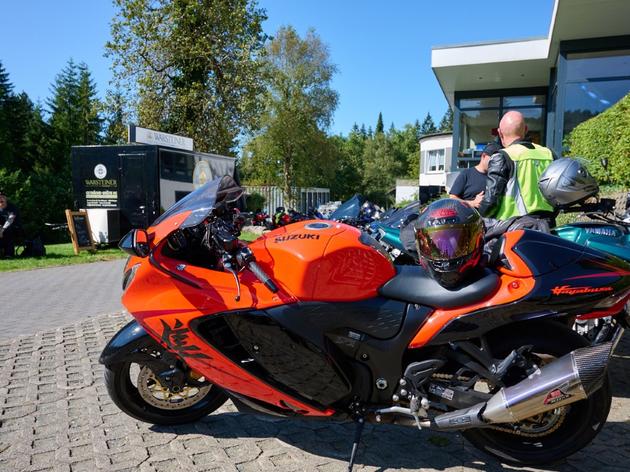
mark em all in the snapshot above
pixel 135 243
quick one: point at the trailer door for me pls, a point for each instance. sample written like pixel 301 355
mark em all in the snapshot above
pixel 134 205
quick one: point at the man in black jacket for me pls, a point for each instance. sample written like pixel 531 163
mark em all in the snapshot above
pixel 470 184
pixel 513 173
pixel 9 223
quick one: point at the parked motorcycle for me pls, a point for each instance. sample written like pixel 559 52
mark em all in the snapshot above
pixel 260 218
pixel 387 232
pixel 356 211
pixel 313 321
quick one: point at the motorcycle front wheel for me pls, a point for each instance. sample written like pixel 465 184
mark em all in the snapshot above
pixel 554 435
pixel 137 391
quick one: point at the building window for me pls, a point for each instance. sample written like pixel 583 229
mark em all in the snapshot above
pixel 478 120
pixel 435 160
pixel 476 129
pixel 594 82
pixel 467 162
pixel 176 166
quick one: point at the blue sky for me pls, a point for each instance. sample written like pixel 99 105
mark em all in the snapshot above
pixel 382 49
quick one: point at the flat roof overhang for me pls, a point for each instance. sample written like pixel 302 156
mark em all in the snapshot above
pixel 526 63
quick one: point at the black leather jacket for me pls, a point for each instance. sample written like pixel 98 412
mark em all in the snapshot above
pixel 500 169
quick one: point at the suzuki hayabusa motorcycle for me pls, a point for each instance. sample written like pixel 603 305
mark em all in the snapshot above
pixel 605 232
pixel 313 321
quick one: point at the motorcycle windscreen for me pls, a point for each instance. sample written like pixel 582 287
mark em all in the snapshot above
pixel 348 209
pixel 199 203
pixel 399 218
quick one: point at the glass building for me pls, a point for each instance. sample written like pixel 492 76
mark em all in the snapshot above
pixel 579 70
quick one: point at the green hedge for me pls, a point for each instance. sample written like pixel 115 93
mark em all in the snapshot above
pixel 254 201
pixel 40 198
pixel 605 135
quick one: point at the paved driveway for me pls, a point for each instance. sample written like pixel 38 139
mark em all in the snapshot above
pixel 55 415
pixel 35 300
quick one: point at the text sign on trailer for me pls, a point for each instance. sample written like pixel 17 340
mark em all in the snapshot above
pixel 150 136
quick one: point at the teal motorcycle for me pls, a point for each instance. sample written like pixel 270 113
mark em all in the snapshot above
pixel 605 232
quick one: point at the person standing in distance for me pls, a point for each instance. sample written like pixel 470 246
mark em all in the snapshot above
pixel 9 222
pixel 513 173
pixel 470 184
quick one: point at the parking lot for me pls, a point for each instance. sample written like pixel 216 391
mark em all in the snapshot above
pixel 55 414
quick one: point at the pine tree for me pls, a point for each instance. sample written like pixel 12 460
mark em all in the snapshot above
pixel 6 92
pixel 74 116
pixel 115 128
pixel 90 122
pixel 379 124
pixel 428 126
pixel 446 125
pixel 6 88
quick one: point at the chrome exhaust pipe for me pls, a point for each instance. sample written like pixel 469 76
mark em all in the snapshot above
pixel 573 377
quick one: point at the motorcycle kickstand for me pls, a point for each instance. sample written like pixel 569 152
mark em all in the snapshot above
pixel 357 440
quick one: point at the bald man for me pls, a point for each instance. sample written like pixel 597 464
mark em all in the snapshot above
pixel 513 173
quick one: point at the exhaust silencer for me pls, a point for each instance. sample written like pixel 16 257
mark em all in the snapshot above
pixel 573 377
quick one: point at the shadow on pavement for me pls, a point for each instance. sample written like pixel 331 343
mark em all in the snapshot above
pixel 387 446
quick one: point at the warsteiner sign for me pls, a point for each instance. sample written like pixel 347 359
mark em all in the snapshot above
pixel 151 136
pixel 100 192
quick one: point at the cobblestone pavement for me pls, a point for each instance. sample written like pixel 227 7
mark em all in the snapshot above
pixel 40 299
pixel 55 415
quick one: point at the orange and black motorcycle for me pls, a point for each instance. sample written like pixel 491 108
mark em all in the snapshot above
pixel 313 321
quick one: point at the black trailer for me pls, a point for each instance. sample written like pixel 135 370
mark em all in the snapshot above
pixel 129 186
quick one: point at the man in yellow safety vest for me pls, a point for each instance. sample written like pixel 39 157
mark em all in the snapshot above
pixel 513 173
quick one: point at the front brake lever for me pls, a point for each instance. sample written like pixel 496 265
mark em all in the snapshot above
pixel 227 265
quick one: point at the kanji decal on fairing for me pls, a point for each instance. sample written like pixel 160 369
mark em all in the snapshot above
pixel 176 338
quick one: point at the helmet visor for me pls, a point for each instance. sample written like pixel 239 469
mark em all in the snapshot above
pixel 446 243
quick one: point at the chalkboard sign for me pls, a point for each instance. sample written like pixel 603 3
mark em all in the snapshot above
pixel 80 231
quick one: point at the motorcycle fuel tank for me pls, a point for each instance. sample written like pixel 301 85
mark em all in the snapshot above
pixel 324 261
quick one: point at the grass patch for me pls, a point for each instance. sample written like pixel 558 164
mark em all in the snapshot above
pixel 63 254
pixel 248 236
pixel 58 255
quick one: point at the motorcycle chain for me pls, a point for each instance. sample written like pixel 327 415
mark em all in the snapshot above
pixel 504 429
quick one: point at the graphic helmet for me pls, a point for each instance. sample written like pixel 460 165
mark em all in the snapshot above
pixel 449 239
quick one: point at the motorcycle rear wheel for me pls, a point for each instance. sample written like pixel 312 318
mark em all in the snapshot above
pixel 134 399
pixel 576 425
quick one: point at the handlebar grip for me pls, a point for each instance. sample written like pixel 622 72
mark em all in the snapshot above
pixel 262 276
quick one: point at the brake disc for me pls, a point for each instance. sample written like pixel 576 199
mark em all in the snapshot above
pixel 159 396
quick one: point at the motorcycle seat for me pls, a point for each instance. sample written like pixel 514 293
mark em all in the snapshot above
pixel 413 284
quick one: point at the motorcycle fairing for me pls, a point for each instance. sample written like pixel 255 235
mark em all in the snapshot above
pixel 610 238
pixel 173 332
pixel 550 266
pixel 321 353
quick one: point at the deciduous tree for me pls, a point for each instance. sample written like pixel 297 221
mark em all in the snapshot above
pixel 192 66
pixel 292 148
